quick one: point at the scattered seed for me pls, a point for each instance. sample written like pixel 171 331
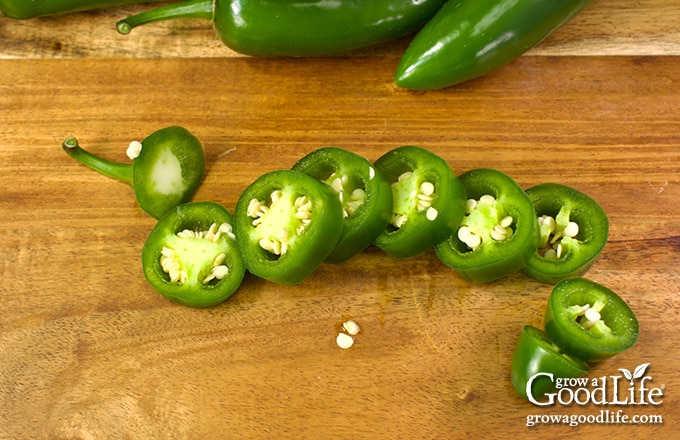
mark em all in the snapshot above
pixel 344 340
pixel 351 327
pixel 134 149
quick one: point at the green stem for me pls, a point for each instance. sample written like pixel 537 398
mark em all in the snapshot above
pixel 114 170
pixel 186 9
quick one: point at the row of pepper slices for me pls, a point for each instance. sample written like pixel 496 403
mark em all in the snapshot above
pixel 332 204
pixel 456 40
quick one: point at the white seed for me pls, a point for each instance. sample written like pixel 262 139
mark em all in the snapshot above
pixel 487 199
pixel 474 241
pixel 548 221
pixel 253 208
pixel 558 250
pixel 351 327
pixel 592 316
pixel 344 340
pixel 427 188
pixel 226 228
pixel 219 259
pixel 398 220
pixel 220 271
pixel 467 236
pixel 273 246
pixel 336 185
pixel 470 205
pixel 506 221
pixel 359 194
pixel 498 235
pixel 213 228
pixel 275 195
pixel 571 230
pixel 431 214
pixel 404 176
pixel 550 254
pixel 133 150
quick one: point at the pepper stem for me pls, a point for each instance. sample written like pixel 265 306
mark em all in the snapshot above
pixel 114 170
pixel 186 9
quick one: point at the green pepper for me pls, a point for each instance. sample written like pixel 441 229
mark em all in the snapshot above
pixel 499 232
pixel 537 363
pixel 22 9
pixel 574 230
pixel 589 321
pixel 298 27
pixel 363 191
pixel 191 255
pixel 428 201
pixel 167 168
pixel 467 39
pixel 287 223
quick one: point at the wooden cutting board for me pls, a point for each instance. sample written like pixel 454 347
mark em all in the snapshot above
pixel 88 350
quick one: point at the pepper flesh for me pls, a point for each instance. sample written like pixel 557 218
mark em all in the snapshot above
pixel 535 353
pixel 167 171
pixel 589 321
pixel 467 39
pixel 298 27
pixel 191 256
pixel 363 191
pixel 574 230
pixel 287 223
pixel 23 9
pixel 503 220
pixel 428 201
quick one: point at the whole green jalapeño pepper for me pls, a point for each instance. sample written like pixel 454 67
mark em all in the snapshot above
pixel 287 223
pixel 589 321
pixel 467 39
pixel 22 9
pixel 298 27
pixel 167 168
pixel 364 193
pixel 191 255
pixel 428 201
pixel 537 363
pixel 499 232
pixel 574 230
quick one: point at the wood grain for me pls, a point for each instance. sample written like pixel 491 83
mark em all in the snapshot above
pixel 608 27
pixel 89 351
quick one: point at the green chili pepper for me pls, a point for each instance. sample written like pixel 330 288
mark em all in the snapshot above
pixel 298 27
pixel 428 201
pixel 589 321
pixel 167 168
pixel 287 223
pixel 191 255
pixel 22 9
pixel 363 191
pixel 574 230
pixel 499 232
pixel 535 358
pixel 467 39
